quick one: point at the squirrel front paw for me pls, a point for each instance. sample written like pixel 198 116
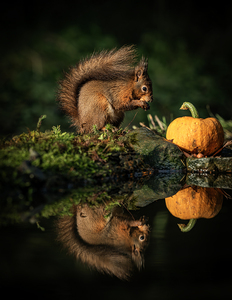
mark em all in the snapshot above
pixel 145 105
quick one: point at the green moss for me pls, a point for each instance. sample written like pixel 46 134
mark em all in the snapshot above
pixel 64 153
pixel 38 169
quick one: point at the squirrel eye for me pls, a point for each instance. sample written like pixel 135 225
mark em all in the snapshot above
pixel 141 237
pixel 144 88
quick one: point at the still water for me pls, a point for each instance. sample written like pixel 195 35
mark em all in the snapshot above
pixel 148 258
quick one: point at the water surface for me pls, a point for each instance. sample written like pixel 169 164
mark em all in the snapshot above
pixel 193 265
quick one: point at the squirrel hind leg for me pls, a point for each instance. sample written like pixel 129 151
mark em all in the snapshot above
pixel 94 114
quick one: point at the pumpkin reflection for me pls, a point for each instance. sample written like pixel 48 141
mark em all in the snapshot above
pixel 195 203
pixel 113 244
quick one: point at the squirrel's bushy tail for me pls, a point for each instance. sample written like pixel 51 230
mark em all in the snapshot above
pixel 103 66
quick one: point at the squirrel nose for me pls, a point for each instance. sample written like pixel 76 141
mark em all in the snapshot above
pixel 151 98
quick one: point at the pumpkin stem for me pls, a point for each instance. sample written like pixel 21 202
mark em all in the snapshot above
pixel 189 226
pixel 191 107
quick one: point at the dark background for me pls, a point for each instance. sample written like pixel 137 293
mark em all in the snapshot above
pixel 188 43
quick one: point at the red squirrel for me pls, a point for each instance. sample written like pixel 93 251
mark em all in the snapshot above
pixel 114 244
pixel 99 89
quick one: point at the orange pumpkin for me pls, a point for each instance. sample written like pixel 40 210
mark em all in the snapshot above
pixel 204 136
pixel 195 203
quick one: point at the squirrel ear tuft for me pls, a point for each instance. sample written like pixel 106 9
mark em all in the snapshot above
pixel 138 74
pixel 141 69
pixel 144 64
pixel 138 258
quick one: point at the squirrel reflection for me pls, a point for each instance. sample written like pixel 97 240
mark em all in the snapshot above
pixel 112 244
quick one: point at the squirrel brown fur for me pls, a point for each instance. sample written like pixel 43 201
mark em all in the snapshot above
pixel 113 244
pixel 99 89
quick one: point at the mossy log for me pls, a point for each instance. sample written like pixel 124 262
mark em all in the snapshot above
pixel 157 151
pixel 209 164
